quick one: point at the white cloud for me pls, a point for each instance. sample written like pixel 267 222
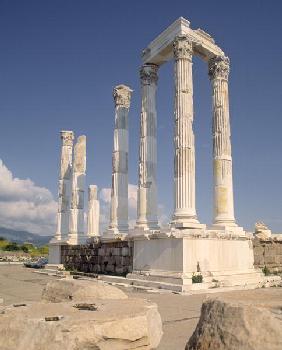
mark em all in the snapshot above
pixel 25 206
pixel 105 195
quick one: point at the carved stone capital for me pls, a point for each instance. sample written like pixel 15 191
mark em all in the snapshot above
pixel 122 95
pixel 183 47
pixel 219 67
pixel 67 137
pixel 149 74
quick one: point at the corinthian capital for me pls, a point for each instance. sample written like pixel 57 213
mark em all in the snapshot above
pixel 149 74
pixel 219 67
pixel 183 47
pixel 122 95
pixel 67 137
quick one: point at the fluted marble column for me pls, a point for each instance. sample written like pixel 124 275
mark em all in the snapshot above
pixel 147 206
pixel 119 195
pixel 93 212
pixel 76 229
pixel 64 192
pixel 222 159
pixel 184 158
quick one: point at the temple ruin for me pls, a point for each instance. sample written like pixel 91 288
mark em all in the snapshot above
pixel 167 257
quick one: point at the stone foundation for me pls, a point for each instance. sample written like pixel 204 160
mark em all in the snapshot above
pixel 107 258
pixel 268 253
pixel 173 261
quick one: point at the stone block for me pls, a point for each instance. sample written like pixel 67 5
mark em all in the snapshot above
pixel 116 251
pixel 121 270
pixel 125 251
pixel 227 323
pixel 101 252
pixel 125 261
pixel 97 268
pixel 118 260
pixel 110 268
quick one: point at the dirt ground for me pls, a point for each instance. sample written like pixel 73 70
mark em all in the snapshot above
pixel 179 313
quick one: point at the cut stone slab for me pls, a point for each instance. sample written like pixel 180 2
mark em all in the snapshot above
pixel 250 320
pixel 79 290
pixel 116 324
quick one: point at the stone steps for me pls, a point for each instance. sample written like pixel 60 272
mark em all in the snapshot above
pixel 141 283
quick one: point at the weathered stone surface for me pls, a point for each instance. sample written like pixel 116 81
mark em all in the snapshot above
pixel 79 290
pixel 95 257
pixel 93 217
pixel 268 252
pixel 262 231
pixel 251 321
pixel 117 324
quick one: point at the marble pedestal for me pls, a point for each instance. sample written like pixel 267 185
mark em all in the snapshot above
pixel 168 259
pixel 54 256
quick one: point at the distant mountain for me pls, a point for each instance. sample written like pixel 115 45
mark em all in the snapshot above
pixel 23 236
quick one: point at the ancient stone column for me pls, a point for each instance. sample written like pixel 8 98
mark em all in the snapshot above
pixel 64 186
pixel 119 195
pixel 76 229
pixel 222 159
pixel 93 216
pixel 184 158
pixel 147 206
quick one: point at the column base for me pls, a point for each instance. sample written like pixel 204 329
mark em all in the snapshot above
pixel 76 238
pixel 232 228
pixel 114 234
pixel 147 225
pixel 189 222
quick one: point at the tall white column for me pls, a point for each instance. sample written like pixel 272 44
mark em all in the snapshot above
pixel 76 229
pixel 222 159
pixel 147 205
pixel 184 158
pixel 119 195
pixel 93 217
pixel 65 188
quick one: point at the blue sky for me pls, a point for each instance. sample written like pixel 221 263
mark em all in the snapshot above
pixel 59 61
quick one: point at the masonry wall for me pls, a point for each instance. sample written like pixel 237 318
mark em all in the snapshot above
pixel 268 253
pixel 108 258
pixel 117 257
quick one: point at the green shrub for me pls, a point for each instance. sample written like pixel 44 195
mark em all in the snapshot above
pixel 44 250
pixel 24 249
pixel 3 244
pixel 197 278
pixel 266 271
pixel 12 246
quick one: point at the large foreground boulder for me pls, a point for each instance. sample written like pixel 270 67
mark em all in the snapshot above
pixel 107 325
pixel 249 320
pixel 79 290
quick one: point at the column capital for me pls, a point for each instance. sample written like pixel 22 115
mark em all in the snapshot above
pixel 67 137
pixel 183 47
pixel 219 67
pixel 149 74
pixel 122 95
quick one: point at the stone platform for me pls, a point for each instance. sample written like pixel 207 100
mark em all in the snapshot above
pixel 173 259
